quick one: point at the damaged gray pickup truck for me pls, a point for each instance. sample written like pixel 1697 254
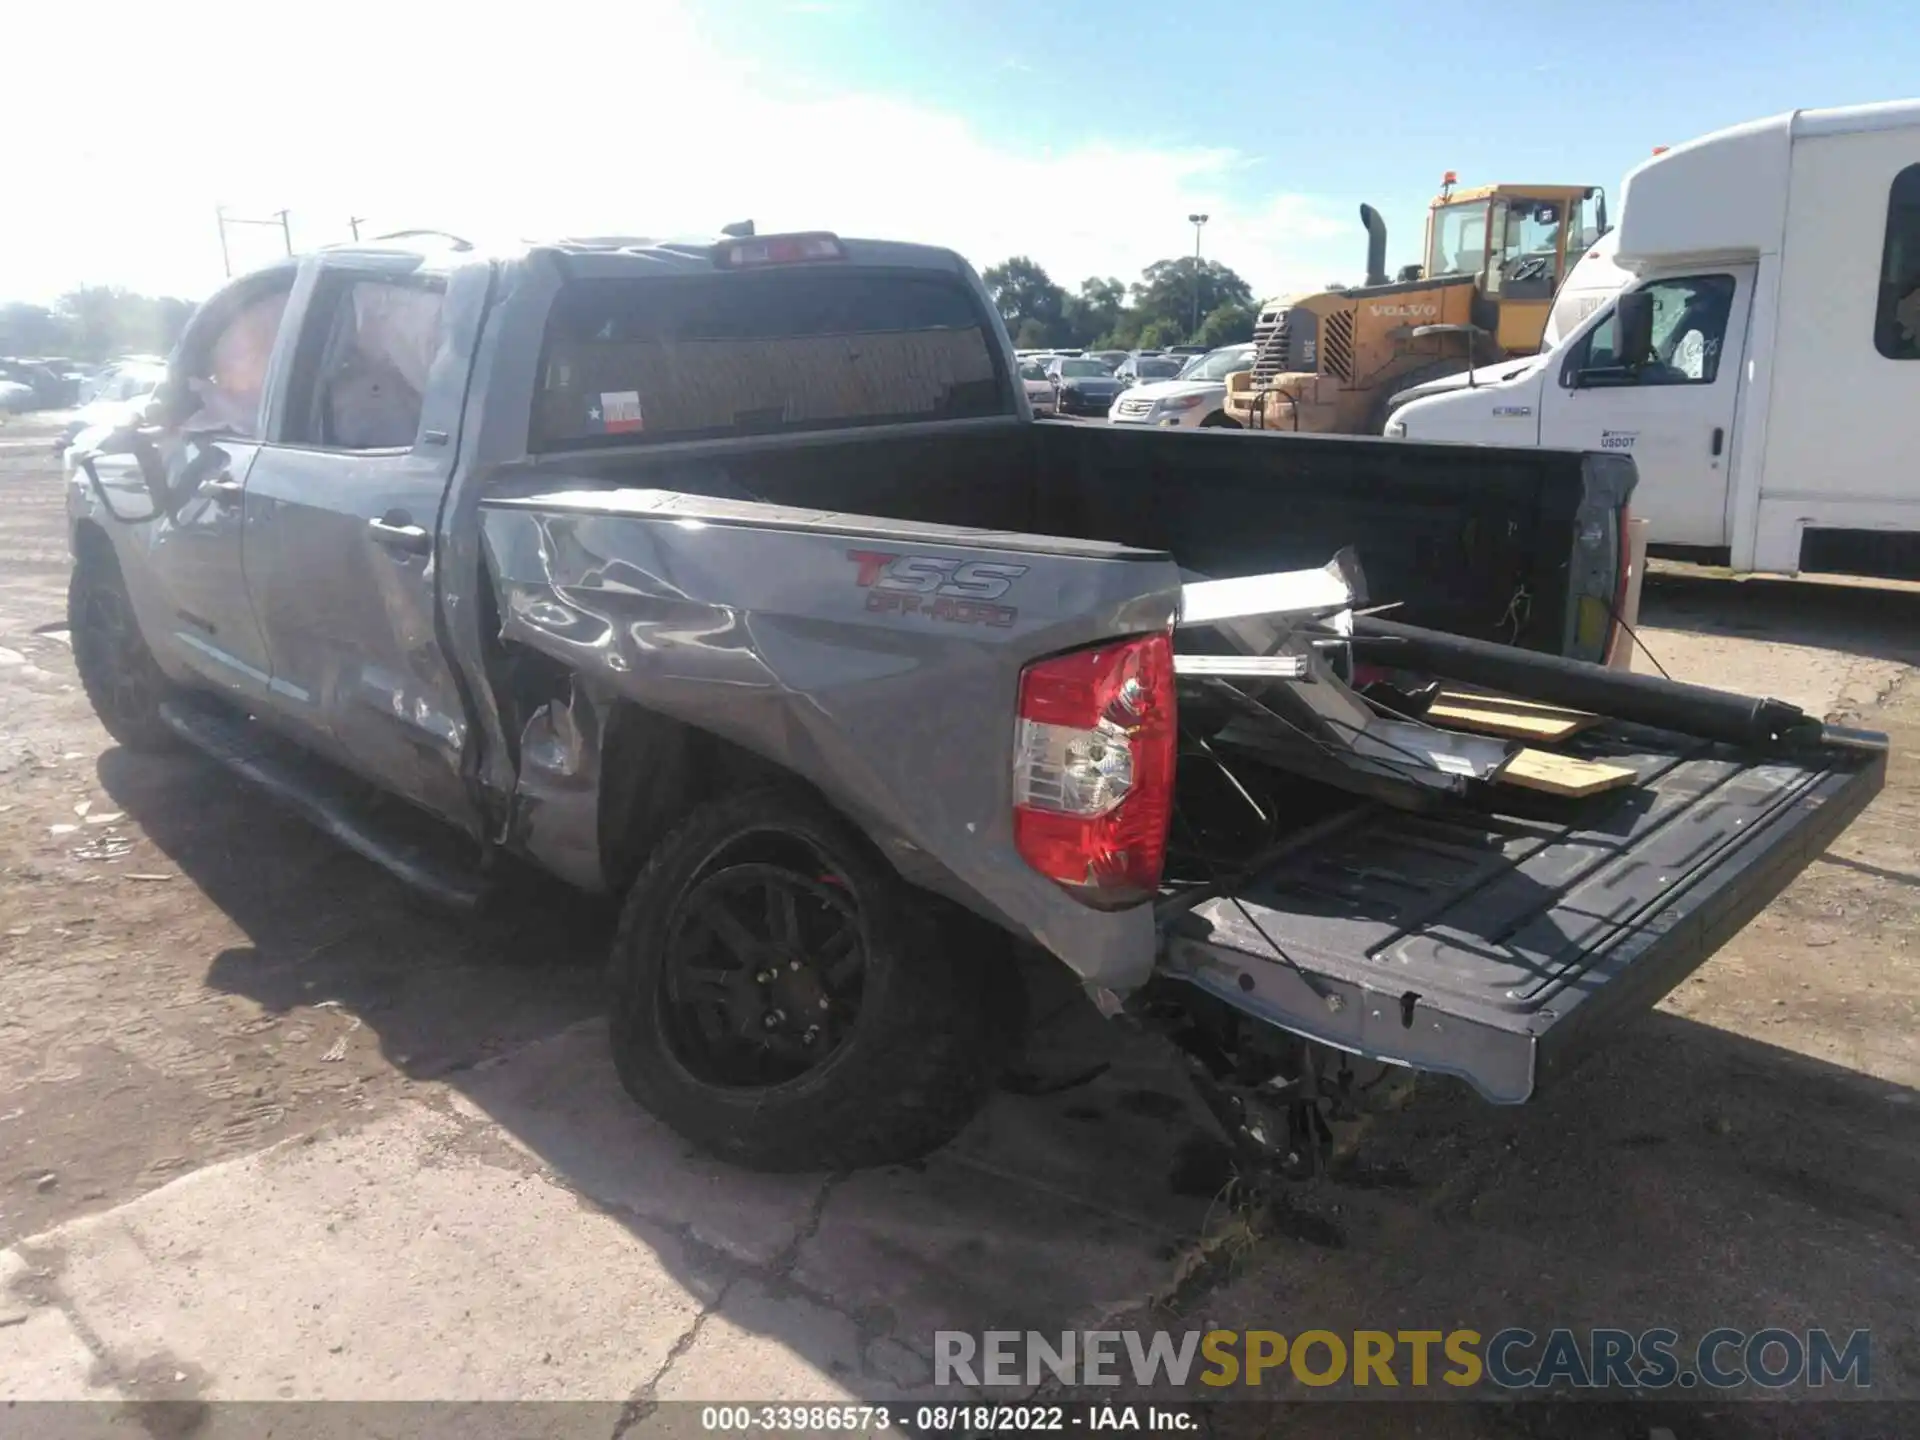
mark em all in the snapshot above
pixel 737 579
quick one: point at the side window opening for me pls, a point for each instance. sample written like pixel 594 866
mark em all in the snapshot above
pixel 1599 351
pixel 1459 239
pixel 1896 321
pixel 1690 316
pixel 226 376
pixel 361 378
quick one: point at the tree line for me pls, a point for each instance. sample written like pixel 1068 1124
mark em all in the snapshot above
pixel 94 323
pixel 1156 311
pixel 98 322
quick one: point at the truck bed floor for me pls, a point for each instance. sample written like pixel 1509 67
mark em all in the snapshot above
pixel 1495 942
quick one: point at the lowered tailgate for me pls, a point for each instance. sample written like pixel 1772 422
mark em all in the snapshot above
pixel 1497 941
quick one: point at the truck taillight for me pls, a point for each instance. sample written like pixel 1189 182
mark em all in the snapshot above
pixel 1617 635
pixel 1093 759
pixel 778 250
pixel 1602 561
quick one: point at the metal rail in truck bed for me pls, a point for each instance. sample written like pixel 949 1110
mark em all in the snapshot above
pixel 1496 938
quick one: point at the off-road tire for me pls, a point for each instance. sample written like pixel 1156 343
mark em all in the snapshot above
pixel 123 683
pixel 1383 406
pixel 1219 420
pixel 923 1052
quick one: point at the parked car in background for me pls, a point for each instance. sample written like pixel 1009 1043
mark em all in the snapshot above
pixel 1111 358
pixel 1186 350
pixel 72 374
pixel 102 378
pixel 15 397
pixel 1136 369
pixel 1040 394
pixel 1195 399
pixel 50 389
pixel 119 394
pixel 1082 385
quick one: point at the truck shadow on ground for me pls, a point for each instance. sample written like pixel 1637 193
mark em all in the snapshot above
pixel 1882 621
pixel 1049 1207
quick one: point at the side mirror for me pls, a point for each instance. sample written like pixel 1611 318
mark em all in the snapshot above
pixel 153 475
pixel 1633 323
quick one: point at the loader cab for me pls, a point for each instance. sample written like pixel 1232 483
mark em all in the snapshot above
pixel 1517 242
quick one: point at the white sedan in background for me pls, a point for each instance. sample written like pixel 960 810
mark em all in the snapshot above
pixel 1040 392
pixel 118 399
pixel 1194 399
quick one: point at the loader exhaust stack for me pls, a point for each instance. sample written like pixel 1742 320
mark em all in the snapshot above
pixel 1376 245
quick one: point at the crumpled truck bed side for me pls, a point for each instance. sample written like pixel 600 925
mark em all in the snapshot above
pixel 879 661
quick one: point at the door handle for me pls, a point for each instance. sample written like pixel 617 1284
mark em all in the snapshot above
pixel 397 532
pixel 225 490
pixel 1719 438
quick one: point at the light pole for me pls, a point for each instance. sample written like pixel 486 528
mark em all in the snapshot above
pixel 1196 221
pixel 278 218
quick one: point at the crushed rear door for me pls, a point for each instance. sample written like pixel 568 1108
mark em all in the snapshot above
pixel 1495 940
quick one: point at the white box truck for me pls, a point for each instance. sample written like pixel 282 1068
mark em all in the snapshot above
pixel 1758 353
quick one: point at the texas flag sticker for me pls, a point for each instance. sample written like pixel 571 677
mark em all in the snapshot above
pixel 620 411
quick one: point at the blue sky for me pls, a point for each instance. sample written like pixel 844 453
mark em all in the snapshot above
pixel 1081 133
pixel 1351 102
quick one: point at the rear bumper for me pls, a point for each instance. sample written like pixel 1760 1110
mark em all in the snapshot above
pixel 1499 947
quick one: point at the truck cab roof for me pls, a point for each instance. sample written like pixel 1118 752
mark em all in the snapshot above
pixel 620 256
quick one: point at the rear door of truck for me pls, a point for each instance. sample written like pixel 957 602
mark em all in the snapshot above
pixel 343 503
pixel 1496 940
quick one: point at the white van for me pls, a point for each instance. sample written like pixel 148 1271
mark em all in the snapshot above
pixel 1772 405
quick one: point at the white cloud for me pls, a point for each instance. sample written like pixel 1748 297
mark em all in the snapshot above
pixel 612 117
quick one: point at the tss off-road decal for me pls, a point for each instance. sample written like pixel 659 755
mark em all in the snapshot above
pixel 938 587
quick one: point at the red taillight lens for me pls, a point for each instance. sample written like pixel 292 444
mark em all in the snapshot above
pixel 1617 636
pixel 1093 756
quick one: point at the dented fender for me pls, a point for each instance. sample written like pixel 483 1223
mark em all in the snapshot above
pixel 877 661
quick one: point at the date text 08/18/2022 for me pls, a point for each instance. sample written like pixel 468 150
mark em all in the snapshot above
pixel 941 1419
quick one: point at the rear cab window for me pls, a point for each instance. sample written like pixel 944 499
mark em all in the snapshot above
pixel 794 348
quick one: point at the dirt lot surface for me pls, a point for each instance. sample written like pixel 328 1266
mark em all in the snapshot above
pixel 197 990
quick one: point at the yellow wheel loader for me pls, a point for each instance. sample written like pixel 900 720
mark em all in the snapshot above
pixel 1333 363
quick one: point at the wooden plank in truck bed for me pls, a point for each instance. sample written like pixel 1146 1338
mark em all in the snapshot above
pixel 1563 774
pixel 1506 716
